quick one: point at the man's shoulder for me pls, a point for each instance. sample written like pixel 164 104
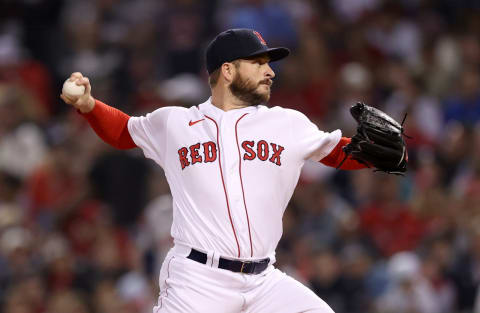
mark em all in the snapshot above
pixel 286 112
pixel 176 110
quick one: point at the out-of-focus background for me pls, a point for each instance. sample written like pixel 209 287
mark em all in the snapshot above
pixel 84 228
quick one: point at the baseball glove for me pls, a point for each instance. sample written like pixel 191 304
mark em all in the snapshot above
pixel 378 142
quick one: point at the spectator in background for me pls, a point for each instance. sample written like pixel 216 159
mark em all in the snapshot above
pixel 66 302
pixel 394 35
pixel 467 180
pixel 30 76
pixel 430 201
pixel 389 221
pixel 470 49
pixel 270 19
pixel 464 106
pixel 54 186
pixel 353 10
pixel 309 90
pixel 134 287
pixel 124 191
pixel 465 269
pixel 442 291
pixel 106 299
pixel 22 142
pixel 354 82
pixel 357 265
pixel 322 213
pixel 11 212
pixel 441 63
pixel 15 301
pixel 327 281
pixel 63 269
pixel 454 153
pixel 341 279
pixel 184 34
pixel 408 97
pixel 408 292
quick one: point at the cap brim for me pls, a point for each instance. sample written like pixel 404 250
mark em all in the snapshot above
pixel 275 54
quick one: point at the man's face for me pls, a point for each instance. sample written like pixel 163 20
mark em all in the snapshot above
pixel 253 80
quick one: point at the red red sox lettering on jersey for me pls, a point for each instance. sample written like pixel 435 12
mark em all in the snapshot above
pixel 231 174
pixel 260 150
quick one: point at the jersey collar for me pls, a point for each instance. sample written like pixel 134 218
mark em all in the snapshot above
pixel 209 109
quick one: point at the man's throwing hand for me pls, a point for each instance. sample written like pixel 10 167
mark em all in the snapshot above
pixel 84 103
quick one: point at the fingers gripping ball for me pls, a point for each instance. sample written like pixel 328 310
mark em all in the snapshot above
pixel 71 89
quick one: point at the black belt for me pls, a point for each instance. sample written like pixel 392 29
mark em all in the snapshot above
pixel 245 267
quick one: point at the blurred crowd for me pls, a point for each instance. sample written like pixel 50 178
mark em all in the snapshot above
pixel 84 228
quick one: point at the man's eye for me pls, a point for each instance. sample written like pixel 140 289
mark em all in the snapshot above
pixel 259 61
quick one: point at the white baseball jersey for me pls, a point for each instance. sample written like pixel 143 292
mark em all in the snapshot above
pixel 231 174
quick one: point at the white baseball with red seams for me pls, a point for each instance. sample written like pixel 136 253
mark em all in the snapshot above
pixel 231 175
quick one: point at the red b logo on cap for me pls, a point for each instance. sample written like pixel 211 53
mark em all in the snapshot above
pixel 260 37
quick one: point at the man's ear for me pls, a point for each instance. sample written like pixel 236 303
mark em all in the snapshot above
pixel 228 71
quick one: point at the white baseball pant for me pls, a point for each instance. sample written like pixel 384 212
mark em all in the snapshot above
pixel 187 286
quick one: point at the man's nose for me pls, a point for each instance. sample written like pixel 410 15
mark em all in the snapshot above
pixel 270 73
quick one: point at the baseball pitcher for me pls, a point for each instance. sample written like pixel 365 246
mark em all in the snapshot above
pixel 232 164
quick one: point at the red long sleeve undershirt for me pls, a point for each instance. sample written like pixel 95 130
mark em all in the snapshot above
pixel 337 155
pixel 110 124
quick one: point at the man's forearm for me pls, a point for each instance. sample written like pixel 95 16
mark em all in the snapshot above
pixel 110 124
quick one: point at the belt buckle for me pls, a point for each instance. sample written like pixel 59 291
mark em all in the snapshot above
pixel 243 265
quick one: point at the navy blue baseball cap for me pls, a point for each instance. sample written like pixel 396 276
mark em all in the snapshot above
pixel 239 43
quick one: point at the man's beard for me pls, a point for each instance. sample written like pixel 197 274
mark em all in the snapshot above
pixel 246 91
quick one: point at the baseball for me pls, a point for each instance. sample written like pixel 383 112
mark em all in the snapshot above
pixel 71 89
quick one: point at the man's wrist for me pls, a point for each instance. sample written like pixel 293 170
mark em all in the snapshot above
pixel 89 107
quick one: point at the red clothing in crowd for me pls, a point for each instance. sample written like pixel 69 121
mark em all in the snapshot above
pixel 392 227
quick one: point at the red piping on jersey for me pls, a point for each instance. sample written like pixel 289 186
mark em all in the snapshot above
pixel 241 184
pixel 225 189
